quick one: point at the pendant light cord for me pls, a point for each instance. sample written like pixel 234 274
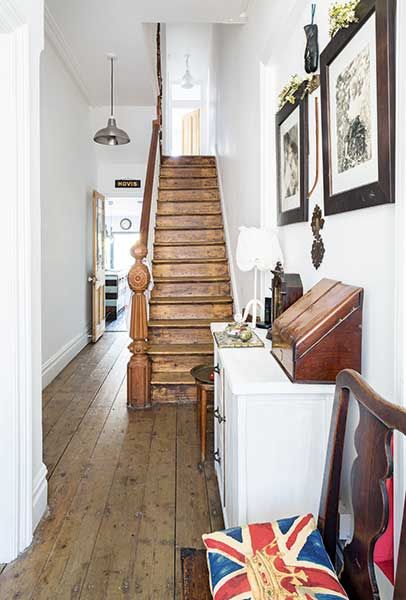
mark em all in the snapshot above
pixel 111 90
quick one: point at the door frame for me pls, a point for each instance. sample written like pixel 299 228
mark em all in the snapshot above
pixel 400 272
pixel 25 501
pixel 96 334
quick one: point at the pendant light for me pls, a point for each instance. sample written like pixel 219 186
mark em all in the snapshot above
pixel 111 135
pixel 187 79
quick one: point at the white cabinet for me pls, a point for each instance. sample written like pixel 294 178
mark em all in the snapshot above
pixel 270 437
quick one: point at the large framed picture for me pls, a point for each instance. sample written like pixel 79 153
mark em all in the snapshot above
pixel 357 71
pixel 292 160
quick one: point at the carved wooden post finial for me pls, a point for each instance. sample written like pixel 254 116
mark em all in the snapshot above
pixel 139 370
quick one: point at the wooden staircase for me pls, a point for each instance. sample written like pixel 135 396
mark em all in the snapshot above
pixel 191 276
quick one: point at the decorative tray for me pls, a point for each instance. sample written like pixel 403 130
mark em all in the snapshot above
pixel 225 341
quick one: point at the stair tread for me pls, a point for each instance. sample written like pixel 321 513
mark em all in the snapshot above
pixel 186 228
pixel 196 200
pixel 186 244
pixel 188 176
pixel 181 323
pixel 191 279
pixel 192 261
pixel 188 189
pixel 184 378
pixel 191 299
pixel 189 214
pixel 187 349
pixel 187 157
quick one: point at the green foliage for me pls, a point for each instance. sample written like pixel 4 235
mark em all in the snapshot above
pixel 288 92
pixel 342 14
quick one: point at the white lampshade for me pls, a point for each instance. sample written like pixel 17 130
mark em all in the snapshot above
pixel 258 248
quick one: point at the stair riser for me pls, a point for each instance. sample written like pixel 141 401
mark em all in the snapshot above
pixel 191 311
pixel 190 221
pixel 194 208
pixel 187 184
pixel 162 335
pixel 179 364
pixel 185 235
pixel 170 394
pixel 191 289
pixel 191 270
pixel 188 172
pixel 194 161
pixel 184 252
pixel 188 195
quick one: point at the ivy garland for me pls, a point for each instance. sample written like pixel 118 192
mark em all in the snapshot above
pixel 289 90
pixel 288 93
pixel 341 15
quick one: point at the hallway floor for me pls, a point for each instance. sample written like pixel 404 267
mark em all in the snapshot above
pixel 119 324
pixel 125 493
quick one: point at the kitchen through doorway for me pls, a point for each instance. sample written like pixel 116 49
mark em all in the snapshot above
pixel 122 225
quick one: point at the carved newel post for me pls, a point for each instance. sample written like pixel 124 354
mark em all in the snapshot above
pixel 139 368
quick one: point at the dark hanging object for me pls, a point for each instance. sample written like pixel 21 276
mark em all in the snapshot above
pixel 312 46
pixel 318 249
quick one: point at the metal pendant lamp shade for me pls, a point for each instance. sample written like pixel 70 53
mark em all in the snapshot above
pixel 111 135
pixel 187 80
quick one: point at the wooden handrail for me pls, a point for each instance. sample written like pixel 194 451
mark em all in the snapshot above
pixel 149 184
pixel 139 277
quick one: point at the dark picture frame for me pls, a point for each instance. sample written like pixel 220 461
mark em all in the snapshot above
pixel 381 188
pixel 298 213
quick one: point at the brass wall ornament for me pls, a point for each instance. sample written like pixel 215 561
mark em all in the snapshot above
pixel 318 249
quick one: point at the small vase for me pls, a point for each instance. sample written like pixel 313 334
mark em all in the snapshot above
pixel 312 49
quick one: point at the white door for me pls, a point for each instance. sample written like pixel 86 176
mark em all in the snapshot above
pixel 98 279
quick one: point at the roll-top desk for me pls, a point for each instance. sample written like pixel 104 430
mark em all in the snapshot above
pixel 270 436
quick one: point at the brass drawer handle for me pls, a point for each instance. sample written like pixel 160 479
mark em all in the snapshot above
pixel 218 416
pixel 216 456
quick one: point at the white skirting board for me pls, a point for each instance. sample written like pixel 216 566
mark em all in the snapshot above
pixel 39 496
pixel 54 365
pixel 231 262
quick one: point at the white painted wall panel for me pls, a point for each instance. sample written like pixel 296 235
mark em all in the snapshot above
pixel 68 177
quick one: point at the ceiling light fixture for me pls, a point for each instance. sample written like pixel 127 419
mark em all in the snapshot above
pixel 187 79
pixel 111 135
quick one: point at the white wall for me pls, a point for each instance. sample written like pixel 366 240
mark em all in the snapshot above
pixel 68 177
pixel 193 39
pixel 359 244
pixel 128 161
pixel 23 494
pixel 254 63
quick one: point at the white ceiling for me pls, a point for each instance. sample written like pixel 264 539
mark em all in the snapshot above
pixel 86 30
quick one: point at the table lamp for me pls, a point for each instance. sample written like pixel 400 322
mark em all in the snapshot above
pixel 257 249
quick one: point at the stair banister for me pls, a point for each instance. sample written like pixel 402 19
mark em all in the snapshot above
pixel 139 368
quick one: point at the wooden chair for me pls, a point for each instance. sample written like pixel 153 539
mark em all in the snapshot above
pixel 372 466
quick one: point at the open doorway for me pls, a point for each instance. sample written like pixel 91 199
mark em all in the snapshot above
pixel 185 120
pixel 122 228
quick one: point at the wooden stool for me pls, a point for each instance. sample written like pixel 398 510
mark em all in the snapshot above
pixel 203 375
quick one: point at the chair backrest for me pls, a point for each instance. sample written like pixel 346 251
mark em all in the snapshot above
pixel 372 466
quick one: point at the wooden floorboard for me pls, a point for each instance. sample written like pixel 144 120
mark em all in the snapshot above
pixel 125 493
pixel 192 511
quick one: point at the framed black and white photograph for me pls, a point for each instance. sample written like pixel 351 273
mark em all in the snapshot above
pixel 292 161
pixel 358 113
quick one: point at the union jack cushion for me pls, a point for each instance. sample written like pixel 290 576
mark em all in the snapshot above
pixel 283 560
